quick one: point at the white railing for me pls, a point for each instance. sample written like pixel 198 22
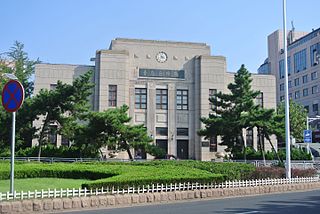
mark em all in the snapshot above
pixel 60 193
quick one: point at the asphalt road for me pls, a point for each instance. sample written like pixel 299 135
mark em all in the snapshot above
pixel 294 202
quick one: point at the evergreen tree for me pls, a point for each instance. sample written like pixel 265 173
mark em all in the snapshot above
pixel 298 115
pixel 233 111
pixel 111 128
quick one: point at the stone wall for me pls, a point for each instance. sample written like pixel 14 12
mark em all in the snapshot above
pixel 110 201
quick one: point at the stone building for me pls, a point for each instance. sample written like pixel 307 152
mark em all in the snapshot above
pixel 167 86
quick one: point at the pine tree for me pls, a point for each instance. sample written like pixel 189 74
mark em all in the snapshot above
pixel 233 111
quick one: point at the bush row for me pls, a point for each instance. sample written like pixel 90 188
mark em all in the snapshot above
pixel 251 154
pixel 231 171
pixel 50 151
pixel 107 175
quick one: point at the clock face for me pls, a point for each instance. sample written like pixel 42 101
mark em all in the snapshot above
pixel 161 57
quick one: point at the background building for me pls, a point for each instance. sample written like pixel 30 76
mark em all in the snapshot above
pixel 303 68
pixel 167 86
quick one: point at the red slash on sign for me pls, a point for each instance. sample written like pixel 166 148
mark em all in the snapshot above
pixel 12 96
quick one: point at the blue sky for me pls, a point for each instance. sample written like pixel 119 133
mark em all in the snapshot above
pixel 70 31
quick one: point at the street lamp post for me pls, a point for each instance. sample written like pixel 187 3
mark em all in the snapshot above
pixel 287 122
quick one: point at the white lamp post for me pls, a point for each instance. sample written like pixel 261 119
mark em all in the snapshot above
pixel 287 122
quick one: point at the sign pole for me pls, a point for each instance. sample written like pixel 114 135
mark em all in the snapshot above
pixel 13 141
pixel 12 99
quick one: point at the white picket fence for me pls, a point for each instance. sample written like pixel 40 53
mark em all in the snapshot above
pixel 60 193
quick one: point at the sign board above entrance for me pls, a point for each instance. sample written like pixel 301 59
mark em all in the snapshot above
pixel 161 73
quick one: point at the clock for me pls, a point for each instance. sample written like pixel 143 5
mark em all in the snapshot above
pixel 161 57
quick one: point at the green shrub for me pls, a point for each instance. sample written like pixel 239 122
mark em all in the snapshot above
pixel 251 154
pixel 51 151
pixel 112 174
pixel 231 171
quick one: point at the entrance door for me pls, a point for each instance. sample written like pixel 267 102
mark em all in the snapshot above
pixel 182 149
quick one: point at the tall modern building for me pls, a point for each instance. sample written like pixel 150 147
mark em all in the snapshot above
pixel 166 85
pixel 303 68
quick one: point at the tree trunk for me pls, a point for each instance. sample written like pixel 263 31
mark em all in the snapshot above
pixel 261 146
pixel 127 148
pixel 244 148
pixel 278 157
pixel 44 127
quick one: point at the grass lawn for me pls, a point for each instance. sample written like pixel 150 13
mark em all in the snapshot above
pixel 41 183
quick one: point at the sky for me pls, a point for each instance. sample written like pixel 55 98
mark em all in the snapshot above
pixel 70 31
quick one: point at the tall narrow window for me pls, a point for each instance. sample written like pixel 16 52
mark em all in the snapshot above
pixel 297 94
pixel 315 108
pixel 213 144
pixel 314 54
pixel 213 99
pixel 314 89
pixel 162 99
pixel 249 137
pixel 300 61
pixel 305 92
pixel 281 69
pixel 182 99
pixel 113 95
pixel 260 99
pixel 141 98
pixel 305 78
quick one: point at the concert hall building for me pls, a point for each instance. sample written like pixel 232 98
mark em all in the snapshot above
pixel 167 86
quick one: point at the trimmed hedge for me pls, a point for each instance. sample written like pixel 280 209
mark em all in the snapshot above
pixel 111 174
pixel 231 171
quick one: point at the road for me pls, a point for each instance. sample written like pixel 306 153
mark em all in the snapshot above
pixel 294 202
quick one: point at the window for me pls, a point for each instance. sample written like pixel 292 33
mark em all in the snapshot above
pixel 213 144
pixel 53 86
pixel 305 92
pixel 112 95
pixel 162 99
pixel 182 131
pixel 296 82
pixel 281 98
pixel 300 61
pixel 141 98
pixel 52 134
pixel 282 87
pixel 249 137
pixel 161 131
pixel 281 67
pixel 315 108
pixel 182 99
pixel 212 96
pixel 289 84
pixel 305 78
pixel 260 99
pixel 314 75
pixel 314 54
pixel 297 94
pixel 314 89
pixel 289 65
pixel 306 108
pixel 290 95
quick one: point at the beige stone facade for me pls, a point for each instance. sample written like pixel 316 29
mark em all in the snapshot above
pixel 165 84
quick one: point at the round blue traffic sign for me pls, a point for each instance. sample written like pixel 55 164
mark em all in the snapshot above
pixel 12 96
